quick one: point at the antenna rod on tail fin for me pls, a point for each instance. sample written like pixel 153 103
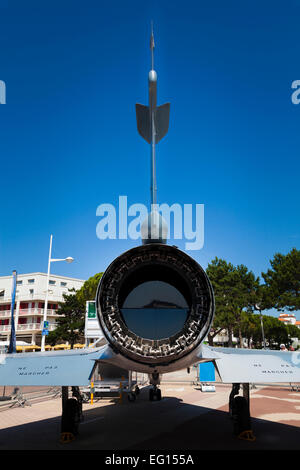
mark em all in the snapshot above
pixel 153 125
pixel 152 46
pixel 152 83
pixel 152 120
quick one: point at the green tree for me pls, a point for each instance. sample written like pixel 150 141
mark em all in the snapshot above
pixel 293 332
pixel 275 332
pixel 235 290
pixel 218 271
pixel 70 324
pixel 283 281
pixel 250 328
pixel 89 288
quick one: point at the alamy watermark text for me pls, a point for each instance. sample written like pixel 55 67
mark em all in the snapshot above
pixel 183 222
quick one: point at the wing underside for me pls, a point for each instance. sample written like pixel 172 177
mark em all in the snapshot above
pixel 58 368
pixel 62 368
pixel 254 365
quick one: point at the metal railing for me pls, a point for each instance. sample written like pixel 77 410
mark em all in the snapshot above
pixel 5 313
pixel 28 326
pixel 27 311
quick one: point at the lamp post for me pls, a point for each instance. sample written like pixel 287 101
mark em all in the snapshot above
pixel 50 260
pixel 258 307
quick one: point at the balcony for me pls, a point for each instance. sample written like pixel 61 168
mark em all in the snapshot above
pixel 27 327
pixel 37 311
pixel 27 311
pixel 5 313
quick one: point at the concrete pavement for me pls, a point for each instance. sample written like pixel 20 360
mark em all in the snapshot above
pixel 185 419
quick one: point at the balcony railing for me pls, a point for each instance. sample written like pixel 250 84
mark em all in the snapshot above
pixel 27 327
pixel 36 311
pixel 4 328
pixel 5 313
pixel 26 311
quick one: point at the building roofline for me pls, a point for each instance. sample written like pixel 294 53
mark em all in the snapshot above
pixel 44 274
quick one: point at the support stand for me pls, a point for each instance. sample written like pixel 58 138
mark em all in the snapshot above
pixel 55 391
pixel 154 392
pixel 239 410
pixel 71 414
pixel 132 394
pixel 19 398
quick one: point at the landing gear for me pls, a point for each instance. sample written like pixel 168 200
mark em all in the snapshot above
pixel 239 409
pixel 71 414
pixel 134 391
pixel 154 394
pixel 70 421
pixel 131 396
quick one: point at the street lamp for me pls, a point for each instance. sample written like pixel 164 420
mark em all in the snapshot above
pixel 258 307
pixel 50 260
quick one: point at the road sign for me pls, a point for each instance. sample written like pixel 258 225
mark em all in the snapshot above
pixel 92 327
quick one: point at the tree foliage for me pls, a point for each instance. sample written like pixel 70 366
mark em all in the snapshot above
pixel 235 290
pixel 275 331
pixel 89 288
pixel 71 321
pixel 70 324
pixel 283 281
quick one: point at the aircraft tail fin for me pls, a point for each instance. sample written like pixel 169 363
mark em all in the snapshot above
pixel 162 115
pixel 143 121
pixel 162 121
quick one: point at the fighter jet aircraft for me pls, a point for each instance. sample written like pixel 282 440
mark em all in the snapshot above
pixel 155 305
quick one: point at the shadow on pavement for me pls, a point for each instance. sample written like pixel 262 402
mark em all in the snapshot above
pixel 169 424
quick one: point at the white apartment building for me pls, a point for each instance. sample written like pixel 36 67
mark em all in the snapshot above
pixel 29 307
pixel 289 319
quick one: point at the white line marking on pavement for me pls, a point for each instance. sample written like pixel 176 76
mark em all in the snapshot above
pixel 281 417
pixel 256 395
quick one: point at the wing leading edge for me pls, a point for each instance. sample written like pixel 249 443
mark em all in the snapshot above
pixel 253 365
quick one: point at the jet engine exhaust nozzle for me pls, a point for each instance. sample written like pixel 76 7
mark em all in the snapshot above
pixel 155 304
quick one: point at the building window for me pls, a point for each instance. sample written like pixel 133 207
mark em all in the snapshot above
pixel 24 305
pixel 19 283
pixel 2 292
pixel 30 281
pixel 63 284
pixel 31 291
pixel 53 306
pixel 5 307
pixel 52 283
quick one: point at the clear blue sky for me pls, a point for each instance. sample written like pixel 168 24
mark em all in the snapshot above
pixel 68 139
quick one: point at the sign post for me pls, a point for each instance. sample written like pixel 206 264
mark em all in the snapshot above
pixel 45 330
pixel 92 330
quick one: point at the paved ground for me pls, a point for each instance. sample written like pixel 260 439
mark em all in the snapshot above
pixel 185 419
